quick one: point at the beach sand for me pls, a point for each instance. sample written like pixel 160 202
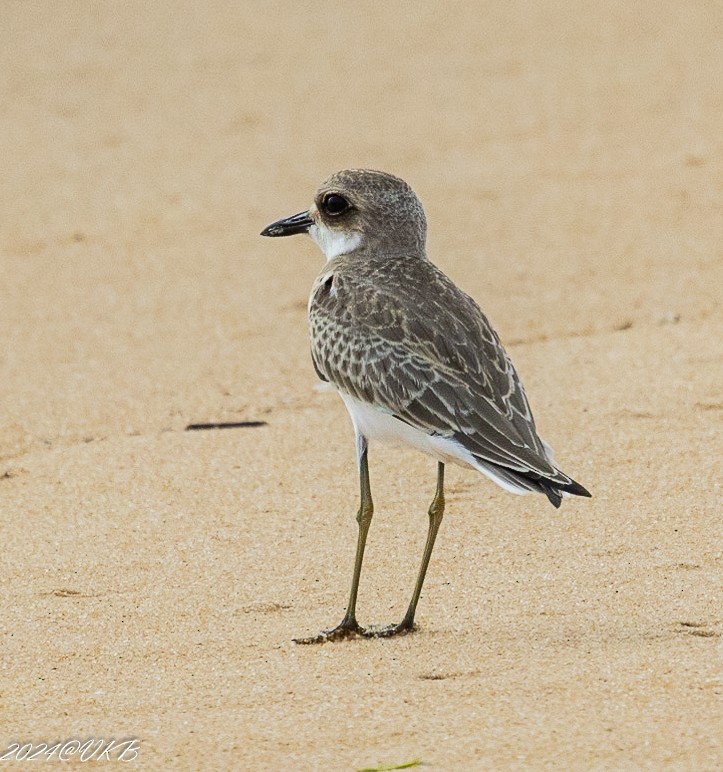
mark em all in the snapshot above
pixel 153 578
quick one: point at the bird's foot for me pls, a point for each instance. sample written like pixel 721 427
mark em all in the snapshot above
pixel 348 629
pixel 344 631
pixel 389 631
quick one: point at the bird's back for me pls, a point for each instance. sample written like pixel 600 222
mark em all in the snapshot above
pixel 396 333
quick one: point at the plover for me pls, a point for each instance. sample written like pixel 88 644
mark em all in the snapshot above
pixel 413 357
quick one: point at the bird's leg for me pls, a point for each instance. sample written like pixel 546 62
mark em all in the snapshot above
pixel 436 512
pixel 349 627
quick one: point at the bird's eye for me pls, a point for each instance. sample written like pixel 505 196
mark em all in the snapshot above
pixel 334 204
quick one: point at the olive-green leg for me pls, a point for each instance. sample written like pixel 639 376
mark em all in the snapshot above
pixel 349 627
pixel 436 513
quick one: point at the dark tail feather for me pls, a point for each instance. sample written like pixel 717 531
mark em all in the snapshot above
pixel 576 489
pixel 533 481
pixel 552 488
pixel 554 491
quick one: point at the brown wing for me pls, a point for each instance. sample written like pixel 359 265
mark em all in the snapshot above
pixel 402 336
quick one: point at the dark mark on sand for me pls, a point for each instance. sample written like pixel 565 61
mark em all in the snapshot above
pixel 230 425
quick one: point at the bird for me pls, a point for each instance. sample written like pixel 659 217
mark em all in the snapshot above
pixel 413 358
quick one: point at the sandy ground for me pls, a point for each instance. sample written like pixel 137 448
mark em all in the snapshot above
pixel 569 158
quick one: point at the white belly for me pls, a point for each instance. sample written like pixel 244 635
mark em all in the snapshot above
pixel 374 423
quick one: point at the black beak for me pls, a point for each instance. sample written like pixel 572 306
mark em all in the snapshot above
pixel 297 223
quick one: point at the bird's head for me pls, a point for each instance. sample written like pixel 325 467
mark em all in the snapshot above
pixel 361 210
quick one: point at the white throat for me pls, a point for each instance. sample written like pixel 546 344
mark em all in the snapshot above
pixel 334 243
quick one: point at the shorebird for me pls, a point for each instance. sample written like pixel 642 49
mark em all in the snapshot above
pixel 413 358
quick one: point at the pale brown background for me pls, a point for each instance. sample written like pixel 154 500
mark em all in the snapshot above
pixel 569 158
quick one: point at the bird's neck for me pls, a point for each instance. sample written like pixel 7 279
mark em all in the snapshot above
pixel 335 243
